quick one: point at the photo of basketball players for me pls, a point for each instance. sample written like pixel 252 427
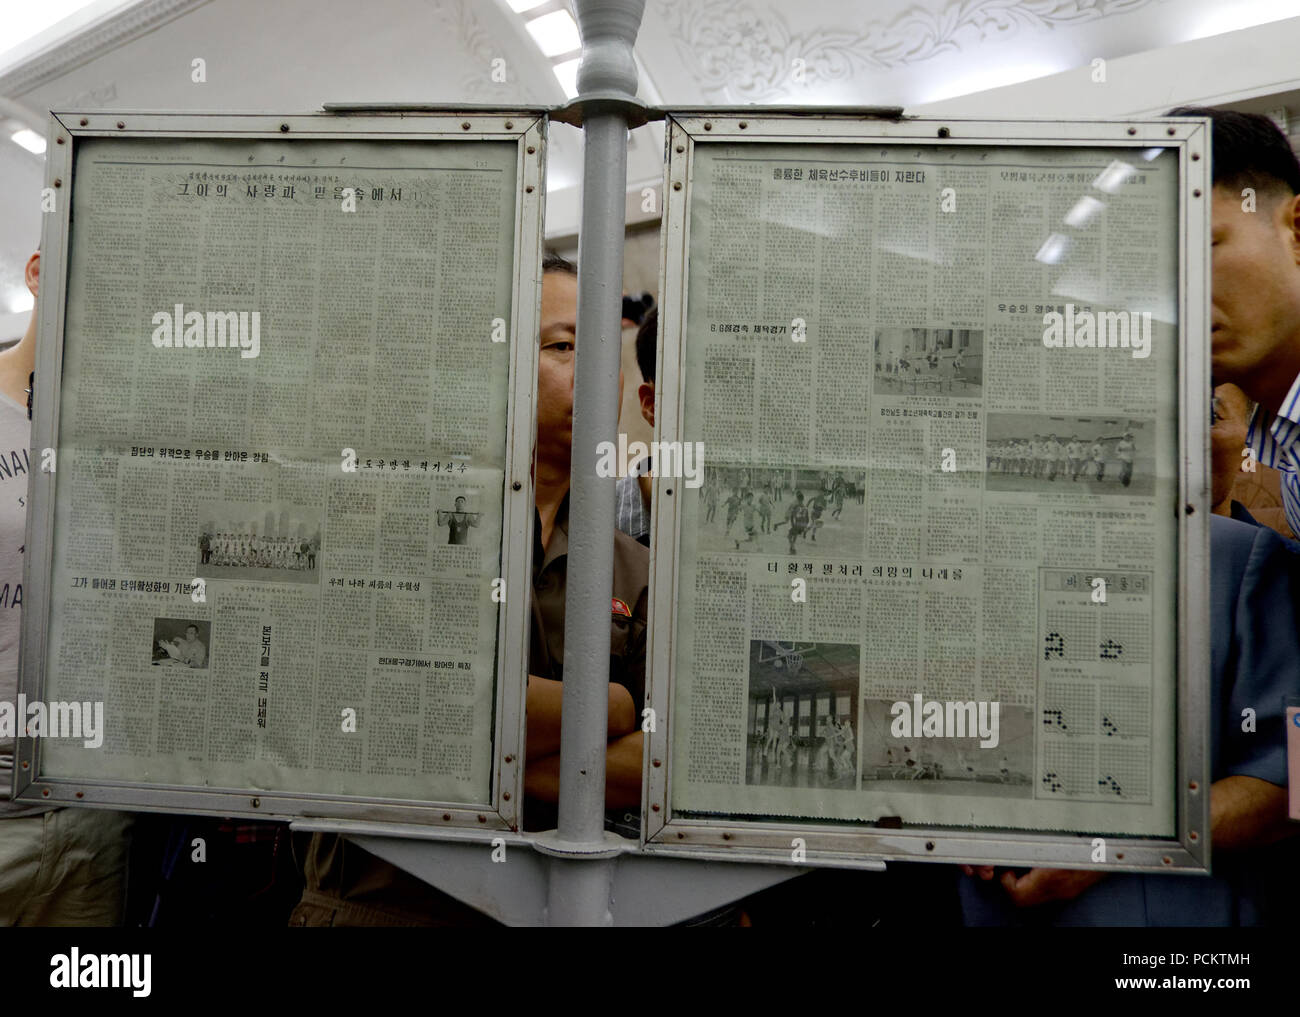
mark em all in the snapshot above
pixel 947 765
pixel 1094 455
pixel 803 701
pixel 929 361
pixel 277 543
pixel 783 510
pixel 181 642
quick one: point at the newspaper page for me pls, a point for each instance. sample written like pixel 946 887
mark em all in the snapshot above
pixel 281 463
pixel 931 571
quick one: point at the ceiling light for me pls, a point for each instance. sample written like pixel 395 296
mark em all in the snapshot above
pixel 567 74
pixel 555 33
pixel 29 140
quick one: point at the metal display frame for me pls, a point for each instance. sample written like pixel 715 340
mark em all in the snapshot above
pixel 866 845
pixel 526 129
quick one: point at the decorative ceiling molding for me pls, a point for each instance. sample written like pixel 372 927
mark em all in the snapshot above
pixel 740 53
pixel 94 41
pixel 477 44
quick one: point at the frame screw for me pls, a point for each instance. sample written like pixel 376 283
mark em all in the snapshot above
pixel 284 128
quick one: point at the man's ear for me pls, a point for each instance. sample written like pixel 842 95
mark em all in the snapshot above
pixel 646 393
pixel 32 274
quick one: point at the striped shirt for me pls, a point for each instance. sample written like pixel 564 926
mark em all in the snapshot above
pixel 1275 439
pixel 631 513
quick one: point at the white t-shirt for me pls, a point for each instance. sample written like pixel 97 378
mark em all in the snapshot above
pixel 15 461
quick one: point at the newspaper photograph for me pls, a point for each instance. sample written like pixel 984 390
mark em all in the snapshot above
pixel 930 575
pixel 280 464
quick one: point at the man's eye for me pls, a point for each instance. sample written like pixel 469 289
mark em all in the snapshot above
pixel 561 347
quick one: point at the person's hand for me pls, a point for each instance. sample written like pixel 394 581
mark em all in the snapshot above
pixel 1042 886
pixel 1227 440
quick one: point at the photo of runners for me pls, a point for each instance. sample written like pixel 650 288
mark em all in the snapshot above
pixel 1095 455
pixel 277 543
pixel 929 361
pixel 803 700
pixel 948 765
pixel 783 510
pixel 181 642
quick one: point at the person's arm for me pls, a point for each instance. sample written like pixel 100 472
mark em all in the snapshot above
pixel 1245 812
pixel 622 773
pixel 543 704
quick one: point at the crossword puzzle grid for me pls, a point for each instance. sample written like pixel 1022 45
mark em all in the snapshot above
pixel 1125 712
pixel 1077 630
pixel 1131 631
pixel 1069 709
pixel 1124 771
pixel 1069 770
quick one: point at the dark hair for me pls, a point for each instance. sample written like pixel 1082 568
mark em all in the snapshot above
pixel 647 338
pixel 1248 150
pixel 554 263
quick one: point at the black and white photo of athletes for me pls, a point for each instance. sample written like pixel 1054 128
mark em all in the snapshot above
pixel 948 765
pixel 1093 455
pixel 783 510
pixel 181 642
pixel 270 543
pixel 457 519
pixel 929 361
pixel 803 700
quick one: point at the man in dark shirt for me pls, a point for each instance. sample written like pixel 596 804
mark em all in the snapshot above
pixel 346 885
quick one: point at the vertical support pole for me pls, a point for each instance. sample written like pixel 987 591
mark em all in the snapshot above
pixel 579 889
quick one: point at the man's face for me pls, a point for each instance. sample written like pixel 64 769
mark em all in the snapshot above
pixel 460 504
pixel 555 363
pixel 1255 307
pixel 191 633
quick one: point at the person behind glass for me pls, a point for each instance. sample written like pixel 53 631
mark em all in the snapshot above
pixel 1254 665
pixel 632 502
pixel 1255 303
pixel 346 885
pixel 64 867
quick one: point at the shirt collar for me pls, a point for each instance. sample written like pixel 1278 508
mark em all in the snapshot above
pixel 1274 436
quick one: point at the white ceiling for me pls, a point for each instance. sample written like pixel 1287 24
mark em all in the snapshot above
pixel 294 55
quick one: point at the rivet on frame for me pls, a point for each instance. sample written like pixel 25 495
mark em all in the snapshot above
pixel 654 807
pixel 464 126
pixel 446 817
pixel 482 819
pixel 1132 130
pixel 58 141
pixel 681 148
pixel 708 126
pixel 510 125
pixel 532 149
pixel 58 181
pixel 284 128
pixel 528 189
pixel 677 185
pixel 84 121
pixel 121 126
